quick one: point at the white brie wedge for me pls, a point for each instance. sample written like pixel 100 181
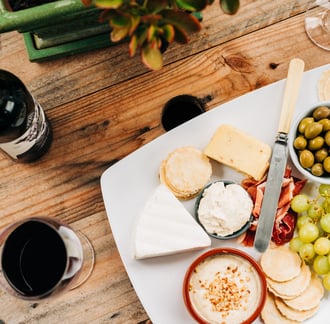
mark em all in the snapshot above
pixel 166 227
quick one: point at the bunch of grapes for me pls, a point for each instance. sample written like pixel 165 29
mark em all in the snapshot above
pixel 312 242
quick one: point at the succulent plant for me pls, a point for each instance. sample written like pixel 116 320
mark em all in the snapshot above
pixel 151 25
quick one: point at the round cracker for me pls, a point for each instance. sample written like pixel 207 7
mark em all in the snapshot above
pixel 310 298
pixel 280 263
pixel 271 315
pixel 293 314
pixel 324 86
pixel 292 288
pixel 326 90
pixel 162 178
pixel 186 171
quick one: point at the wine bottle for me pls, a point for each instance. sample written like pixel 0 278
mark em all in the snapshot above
pixel 25 131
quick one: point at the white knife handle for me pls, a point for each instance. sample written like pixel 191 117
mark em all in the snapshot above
pixel 295 72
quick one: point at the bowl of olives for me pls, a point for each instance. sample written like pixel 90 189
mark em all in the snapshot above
pixel 309 143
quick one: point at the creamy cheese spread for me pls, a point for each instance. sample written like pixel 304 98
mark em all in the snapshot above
pixel 225 288
pixel 224 209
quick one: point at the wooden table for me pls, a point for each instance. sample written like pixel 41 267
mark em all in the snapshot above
pixel 103 105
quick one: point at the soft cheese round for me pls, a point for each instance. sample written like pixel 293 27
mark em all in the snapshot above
pixel 224 209
pixel 165 227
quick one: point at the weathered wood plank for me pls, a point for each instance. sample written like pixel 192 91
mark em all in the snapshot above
pixel 60 81
pixel 97 126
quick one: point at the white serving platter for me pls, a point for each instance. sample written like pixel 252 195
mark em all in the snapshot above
pixel 128 184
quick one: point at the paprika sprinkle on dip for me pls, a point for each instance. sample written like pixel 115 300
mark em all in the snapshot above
pixel 224 288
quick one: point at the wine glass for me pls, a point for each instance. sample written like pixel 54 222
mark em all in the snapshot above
pixel 42 256
pixel 317 23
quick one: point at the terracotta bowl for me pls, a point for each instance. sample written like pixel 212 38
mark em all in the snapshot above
pixel 224 285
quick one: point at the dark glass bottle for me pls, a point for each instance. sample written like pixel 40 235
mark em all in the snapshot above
pixel 25 131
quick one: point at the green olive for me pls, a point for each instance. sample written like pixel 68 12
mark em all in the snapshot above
pixel 306 159
pixel 303 123
pixel 300 143
pixel 321 112
pixel 317 169
pixel 325 123
pixel 326 164
pixel 315 143
pixel 312 130
pixel 321 154
pixel 327 138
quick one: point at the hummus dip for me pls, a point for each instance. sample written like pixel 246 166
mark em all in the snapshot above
pixel 224 209
pixel 225 288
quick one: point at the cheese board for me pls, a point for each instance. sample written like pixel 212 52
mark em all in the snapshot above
pixel 128 184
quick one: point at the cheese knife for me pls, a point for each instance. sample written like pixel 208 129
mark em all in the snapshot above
pixel 279 157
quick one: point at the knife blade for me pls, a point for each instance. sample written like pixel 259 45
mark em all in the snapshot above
pixel 279 157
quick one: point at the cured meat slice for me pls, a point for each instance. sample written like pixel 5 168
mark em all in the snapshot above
pixel 285 218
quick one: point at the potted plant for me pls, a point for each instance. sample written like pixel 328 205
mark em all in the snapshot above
pixel 65 27
pixel 55 28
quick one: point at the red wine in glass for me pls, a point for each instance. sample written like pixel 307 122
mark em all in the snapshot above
pixel 40 257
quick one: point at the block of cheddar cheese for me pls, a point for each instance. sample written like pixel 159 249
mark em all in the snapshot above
pixel 240 151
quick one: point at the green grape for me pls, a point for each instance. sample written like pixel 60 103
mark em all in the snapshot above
pixel 325 222
pixel 326 281
pixel 308 232
pixel 322 246
pixel 295 244
pixel 306 251
pixel 324 190
pixel 326 205
pixel 299 203
pixel 303 220
pixel 321 230
pixel 321 265
pixel 315 211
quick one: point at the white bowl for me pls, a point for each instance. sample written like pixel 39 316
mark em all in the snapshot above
pixel 324 179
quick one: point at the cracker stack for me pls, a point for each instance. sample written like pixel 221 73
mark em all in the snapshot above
pixel 185 171
pixel 294 293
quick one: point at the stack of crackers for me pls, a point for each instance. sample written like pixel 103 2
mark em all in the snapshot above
pixel 294 293
pixel 185 171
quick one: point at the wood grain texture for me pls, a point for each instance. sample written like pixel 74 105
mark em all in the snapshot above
pixel 103 106
pixel 57 82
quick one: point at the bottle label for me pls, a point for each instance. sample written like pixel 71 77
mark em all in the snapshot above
pixel 36 133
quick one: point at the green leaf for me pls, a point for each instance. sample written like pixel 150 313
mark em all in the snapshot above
pixel 182 20
pixel 106 15
pixel 181 36
pixel 120 21
pixel 152 57
pixel 141 35
pixel 151 32
pixel 108 4
pixel 168 33
pixel 135 20
pixel 133 45
pixel 118 34
pixel 154 6
pixel 192 5
pixel 229 7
